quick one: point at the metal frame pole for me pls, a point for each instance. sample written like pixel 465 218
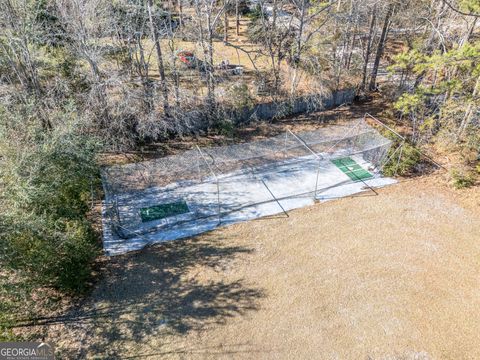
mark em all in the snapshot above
pixel 404 139
pixel 303 142
pixel 398 161
pixel 391 156
pixel 278 202
pixel 216 180
pixel 200 178
pixel 346 136
pixel 252 172
pixel 359 178
pixel 382 124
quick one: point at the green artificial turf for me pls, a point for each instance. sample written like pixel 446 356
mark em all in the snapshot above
pixel 162 211
pixel 354 171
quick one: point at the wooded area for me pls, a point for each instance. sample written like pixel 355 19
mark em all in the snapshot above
pixel 81 80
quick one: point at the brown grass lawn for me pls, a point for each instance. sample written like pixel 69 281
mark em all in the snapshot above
pixel 393 276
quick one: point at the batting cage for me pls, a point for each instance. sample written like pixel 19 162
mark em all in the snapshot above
pixel 195 191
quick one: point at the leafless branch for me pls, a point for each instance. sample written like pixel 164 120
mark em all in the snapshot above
pixel 459 11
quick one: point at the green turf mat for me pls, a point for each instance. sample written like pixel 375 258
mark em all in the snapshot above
pixel 354 171
pixel 162 211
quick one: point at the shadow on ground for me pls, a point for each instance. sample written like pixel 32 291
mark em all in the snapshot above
pixel 160 291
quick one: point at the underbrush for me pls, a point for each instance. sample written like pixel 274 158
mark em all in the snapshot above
pixel 47 245
pixel 23 303
pixel 462 179
pixel 403 162
pixel 225 127
pixel 15 303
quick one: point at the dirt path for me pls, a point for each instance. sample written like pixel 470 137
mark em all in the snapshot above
pixel 391 276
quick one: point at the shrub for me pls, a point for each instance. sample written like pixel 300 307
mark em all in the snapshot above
pixel 46 179
pixel 243 7
pixel 462 180
pixel 225 127
pixel 256 13
pixel 410 157
pixel 51 252
pixel 240 96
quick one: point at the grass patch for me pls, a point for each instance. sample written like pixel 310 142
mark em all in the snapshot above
pixel 462 180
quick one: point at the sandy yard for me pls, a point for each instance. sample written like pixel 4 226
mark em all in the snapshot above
pixel 393 276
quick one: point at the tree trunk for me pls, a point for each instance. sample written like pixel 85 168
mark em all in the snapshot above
pixel 350 53
pixel 99 89
pixel 347 37
pixel 467 118
pixel 210 71
pixel 380 48
pixel 142 69
pixel 469 33
pixel 161 68
pixel 369 46
pixel 298 52
pixel 273 53
pixel 180 13
pixel 225 24
pixel 175 72
pixel 237 18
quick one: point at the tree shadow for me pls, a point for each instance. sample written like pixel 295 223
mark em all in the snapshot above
pixel 171 288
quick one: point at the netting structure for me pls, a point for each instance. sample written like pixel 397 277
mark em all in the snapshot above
pixel 201 188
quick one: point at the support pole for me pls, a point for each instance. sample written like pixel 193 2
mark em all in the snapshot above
pixel 404 139
pixel 278 202
pixel 391 156
pixel 398 161
pixel 382 124
pixel 346 136
pixel 316 182
pixel 304 143
pixel 359 178
pixel 216 180
pixel 252 172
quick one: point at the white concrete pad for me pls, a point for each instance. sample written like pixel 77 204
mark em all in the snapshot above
pixel 244 196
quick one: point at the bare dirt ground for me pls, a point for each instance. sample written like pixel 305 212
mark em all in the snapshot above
pixel 392 276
